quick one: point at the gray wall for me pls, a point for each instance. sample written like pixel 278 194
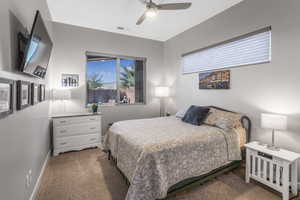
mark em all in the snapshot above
pixel 24 135
pixel 272 87
pixel 71 44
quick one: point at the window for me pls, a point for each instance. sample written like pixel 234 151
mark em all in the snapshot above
pixel 115 80
pixel 252 48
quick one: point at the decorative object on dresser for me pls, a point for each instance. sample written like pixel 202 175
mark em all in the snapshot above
pixel 274 122
pixel 95 108
pixel 162 92
pixel 42 92
pixel 6 97
pixel 23 94
pixel 34 93
pixel 215 80
pixel 276 169
pixel 69 80
pixel 76 132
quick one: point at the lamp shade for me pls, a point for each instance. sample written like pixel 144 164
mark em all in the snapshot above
pixel 61 94
pixel 272 121
pixel 162 91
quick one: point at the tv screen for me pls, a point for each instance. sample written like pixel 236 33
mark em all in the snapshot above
pixel 38 49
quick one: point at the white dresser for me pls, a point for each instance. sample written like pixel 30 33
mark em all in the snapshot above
pixel 76 132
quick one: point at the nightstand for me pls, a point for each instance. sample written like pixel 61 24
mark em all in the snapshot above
pixel 276 169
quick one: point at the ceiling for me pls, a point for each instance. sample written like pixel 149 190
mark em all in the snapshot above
pixel 107 15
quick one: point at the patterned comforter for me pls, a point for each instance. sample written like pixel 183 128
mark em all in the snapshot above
pixel 156 153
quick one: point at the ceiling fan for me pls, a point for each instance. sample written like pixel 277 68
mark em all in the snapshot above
pixel 152 9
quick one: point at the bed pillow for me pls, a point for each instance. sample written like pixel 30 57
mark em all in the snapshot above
pixel 195 115
pixel 223 119
pixel 180 114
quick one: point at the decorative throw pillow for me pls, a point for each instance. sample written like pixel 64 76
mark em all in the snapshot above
pixel 195 115
pixel 180 114
pixel 223 119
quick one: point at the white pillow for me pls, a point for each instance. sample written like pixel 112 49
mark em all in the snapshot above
pixel 180 114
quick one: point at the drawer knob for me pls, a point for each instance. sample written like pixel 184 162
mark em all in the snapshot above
pixel 63 131
pixel 63 143
pixel 64 121
pixel 93 128
pixel 92 119
pixel 93 139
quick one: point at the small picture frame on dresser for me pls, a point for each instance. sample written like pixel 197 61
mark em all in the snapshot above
pixel 34 93
pixel 42 93
pixel 6 97
pixel 23 94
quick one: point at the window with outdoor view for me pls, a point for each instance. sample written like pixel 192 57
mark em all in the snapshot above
pixel 115 80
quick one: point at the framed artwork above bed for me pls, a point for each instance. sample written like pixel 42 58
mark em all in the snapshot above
pixel 215 80
pixel 23 94
pixel 6 97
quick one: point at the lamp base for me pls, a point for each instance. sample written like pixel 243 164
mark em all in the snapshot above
pixel 273 148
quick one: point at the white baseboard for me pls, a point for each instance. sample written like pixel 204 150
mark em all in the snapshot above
pixel 38 182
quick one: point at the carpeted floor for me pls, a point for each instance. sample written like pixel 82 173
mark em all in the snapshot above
pixel 88 175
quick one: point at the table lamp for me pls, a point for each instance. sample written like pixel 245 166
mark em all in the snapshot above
pixel 61 95
pixel 274 122
pixel 162 92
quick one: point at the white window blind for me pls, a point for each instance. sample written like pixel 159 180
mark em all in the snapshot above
pixel 252 48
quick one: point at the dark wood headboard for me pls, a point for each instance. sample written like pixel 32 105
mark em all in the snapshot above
pixel 246 122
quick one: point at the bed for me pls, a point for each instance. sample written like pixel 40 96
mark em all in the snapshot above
pixel 156 155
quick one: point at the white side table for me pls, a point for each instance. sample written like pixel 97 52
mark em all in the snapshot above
pixel 276 169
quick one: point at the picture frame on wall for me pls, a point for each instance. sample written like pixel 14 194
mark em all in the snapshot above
pixel 70 80
pixel 6 97
pixel 23 94
pixel 42 93
pixel 34 93
pixel 215 80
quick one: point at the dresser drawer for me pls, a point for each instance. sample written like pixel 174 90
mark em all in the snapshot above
pixel 75 120
pixel 77 129
pixel 75 141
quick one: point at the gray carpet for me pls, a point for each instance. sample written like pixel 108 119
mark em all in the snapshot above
pixel 88 175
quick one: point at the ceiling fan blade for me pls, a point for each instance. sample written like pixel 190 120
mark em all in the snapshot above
pixel 143 1
pixel 174 6
pixel 141 19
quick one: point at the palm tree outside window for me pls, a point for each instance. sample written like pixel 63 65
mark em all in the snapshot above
pixel 115 80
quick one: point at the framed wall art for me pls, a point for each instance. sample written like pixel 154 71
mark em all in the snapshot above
pixel 42 92
pixel 215 80
pixel 23 94
pixel 70 80
pixel 6 97
pixel 34 93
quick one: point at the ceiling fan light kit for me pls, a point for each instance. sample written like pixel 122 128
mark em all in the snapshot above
pixel 151 12
pixel 153 8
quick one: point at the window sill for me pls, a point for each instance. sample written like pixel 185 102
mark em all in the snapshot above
pixel 136 104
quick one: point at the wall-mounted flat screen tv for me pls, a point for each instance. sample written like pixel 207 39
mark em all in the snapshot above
pixel 38 49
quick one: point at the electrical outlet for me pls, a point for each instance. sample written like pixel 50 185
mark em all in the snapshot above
pixel 27 181
pixel 30 176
